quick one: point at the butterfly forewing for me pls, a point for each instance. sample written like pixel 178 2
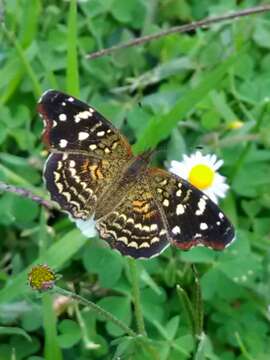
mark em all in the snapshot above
pixel 73 126
pixel 83 144
pixel 192 218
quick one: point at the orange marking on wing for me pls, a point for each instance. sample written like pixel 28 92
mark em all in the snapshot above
pixel 85 166
pixel 150 214
pixel 99 174
pixel 138 203
pixel 142 210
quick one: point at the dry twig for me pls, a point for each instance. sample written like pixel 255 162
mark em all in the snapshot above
pixel 26 194
pixel 180 29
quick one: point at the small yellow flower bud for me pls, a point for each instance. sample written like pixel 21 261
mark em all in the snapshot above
pixel 41 277
pixel 234 125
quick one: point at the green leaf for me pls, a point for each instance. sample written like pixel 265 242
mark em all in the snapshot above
pixel 120 307
pixel 131 11
pixel 8 330
pixel 106 263
pixel 70 333
pixel 172 327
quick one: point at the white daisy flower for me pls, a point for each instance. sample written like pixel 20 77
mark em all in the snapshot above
pixel 87 227
pixel 201 171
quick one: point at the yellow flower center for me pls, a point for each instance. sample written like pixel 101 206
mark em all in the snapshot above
pixel 201 176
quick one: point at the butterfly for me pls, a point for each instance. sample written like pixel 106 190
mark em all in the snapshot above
pixel 139 210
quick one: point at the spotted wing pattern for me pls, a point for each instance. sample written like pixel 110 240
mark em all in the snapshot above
pixel 83 145
pixel 138 210
pixel 136 227
pixel 192 218
pixel 71 125
pixel 76 181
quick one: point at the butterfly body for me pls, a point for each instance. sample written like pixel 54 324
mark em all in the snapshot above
pixel 139 210
pixel 122 185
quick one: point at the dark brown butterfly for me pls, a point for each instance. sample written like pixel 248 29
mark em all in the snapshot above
pixel 139 210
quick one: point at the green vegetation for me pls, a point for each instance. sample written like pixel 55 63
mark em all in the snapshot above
pixel 175 93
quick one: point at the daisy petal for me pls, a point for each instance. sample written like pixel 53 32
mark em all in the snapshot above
pixel 194 168
pixel 87 227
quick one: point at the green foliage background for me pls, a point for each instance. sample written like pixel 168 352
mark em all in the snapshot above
pixel 175 93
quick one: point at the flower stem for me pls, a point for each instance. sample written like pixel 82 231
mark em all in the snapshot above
pixel 98 310
pixel 136 296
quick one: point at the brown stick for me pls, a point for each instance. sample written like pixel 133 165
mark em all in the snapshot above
pixel 26 194
pixel 180 29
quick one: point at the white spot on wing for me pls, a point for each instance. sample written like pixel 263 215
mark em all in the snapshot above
pixel 63 143
pixel 203 226
pixel 153 227
pixel 144 245
pixel 176 230
pixel 83 135
pixel 133 244
pixel 201 206
pixel 154 239
pixel 62 117
pixel 166 202
pixel 180 209
pixel 82 115
pixel 221 216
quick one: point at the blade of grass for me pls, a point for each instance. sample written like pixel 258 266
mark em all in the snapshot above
pixel 55 256
pixel 160 127
pixel 28 28
pixel 26 64
pixel 198 304
pixel 29 22
pixel 242 347
pixel 52 350
pixel 12 83
pixel 72 80
pixel 49 73
pixel 187 308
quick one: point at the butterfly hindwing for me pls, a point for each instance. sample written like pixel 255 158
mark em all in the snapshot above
pixel 77 181
pixel 193 219
pixel 135 227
